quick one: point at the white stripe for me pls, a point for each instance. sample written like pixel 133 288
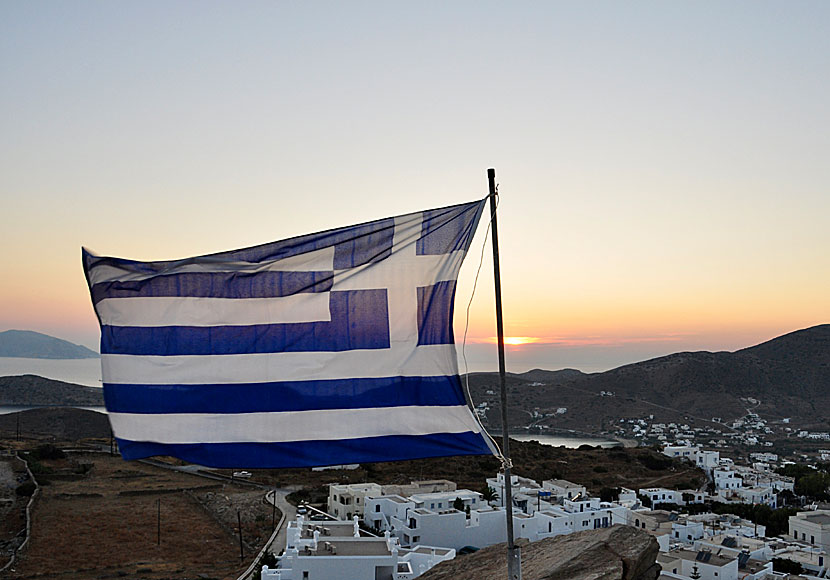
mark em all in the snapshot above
pixel 317 260
pixel 174 311
pixel 399 360
pixel 328 424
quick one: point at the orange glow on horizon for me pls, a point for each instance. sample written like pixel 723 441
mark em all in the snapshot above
pixel 514 340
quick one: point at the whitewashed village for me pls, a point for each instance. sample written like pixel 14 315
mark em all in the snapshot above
pixel 399 532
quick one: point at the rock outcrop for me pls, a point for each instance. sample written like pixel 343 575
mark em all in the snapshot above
pixel 616 553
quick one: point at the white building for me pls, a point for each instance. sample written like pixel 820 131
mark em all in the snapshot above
pixel 419 486
pixel 431 519
pixel 811 528
pixel 518 485
pixel 562 489
pixel 753 495
pixel 679 497
pixel 336 551
pixel 714 524
pixel 346 501
pixel 726 478
pixel 709 566
pixel 706 460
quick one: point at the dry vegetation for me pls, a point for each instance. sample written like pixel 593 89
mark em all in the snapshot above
pixel 101 521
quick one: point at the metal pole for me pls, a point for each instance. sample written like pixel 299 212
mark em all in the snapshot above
pixel 239 522
pixel 158 522
pixel 514 556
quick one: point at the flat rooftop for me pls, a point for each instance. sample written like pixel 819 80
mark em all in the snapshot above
pixel 329 529
pixel 354 547
pixel 430 551
pixel 711 558
pixel 563 483
pixel 821 519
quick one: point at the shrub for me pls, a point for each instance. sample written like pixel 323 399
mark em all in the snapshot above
pixel 26 489
pixel 786 565
pixel 48 451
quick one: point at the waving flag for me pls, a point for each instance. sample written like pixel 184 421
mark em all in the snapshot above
pixel 330 348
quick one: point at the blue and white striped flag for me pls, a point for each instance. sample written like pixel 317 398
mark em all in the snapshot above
pixel 330 348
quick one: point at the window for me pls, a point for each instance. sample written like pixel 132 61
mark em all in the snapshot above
pixel 305 574
pixel 357 500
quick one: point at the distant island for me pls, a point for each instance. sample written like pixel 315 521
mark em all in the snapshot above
pixel 29 344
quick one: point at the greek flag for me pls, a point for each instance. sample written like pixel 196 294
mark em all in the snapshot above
pixel 329 348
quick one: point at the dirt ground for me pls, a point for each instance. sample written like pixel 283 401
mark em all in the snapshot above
pixel 130 520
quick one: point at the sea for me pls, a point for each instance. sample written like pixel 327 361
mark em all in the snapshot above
pixel 571 442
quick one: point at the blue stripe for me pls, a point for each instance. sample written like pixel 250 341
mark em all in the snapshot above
pixel 217 285
pixel 435 308
pixel 448 229
pixel 359 320
pixel 313 453
pixel 285 396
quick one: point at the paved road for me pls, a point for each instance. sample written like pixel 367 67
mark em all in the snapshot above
pixel 290 513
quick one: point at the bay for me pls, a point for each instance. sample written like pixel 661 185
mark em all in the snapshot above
pixel 6 409
pixel 85 371
pixel 571 442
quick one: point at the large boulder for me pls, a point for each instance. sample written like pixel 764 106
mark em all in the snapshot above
pixel 615 553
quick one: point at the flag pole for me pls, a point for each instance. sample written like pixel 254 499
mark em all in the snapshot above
pixel 514 556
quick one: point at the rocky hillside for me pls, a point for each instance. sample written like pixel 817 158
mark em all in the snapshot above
pixel 789 375
pixel 38 391
pixel 63 424
pixel 28 344
pixel 615 553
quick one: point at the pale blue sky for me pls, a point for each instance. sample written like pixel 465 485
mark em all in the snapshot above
pixel 663 165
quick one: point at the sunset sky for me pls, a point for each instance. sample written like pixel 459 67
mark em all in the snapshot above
pixel 664 167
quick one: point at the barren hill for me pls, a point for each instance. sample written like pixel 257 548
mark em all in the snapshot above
pixel 29 344
pixel 38 391
pixel 789 375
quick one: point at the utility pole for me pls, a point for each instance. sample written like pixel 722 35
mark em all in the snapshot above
pixel 239 522
pixel 274 509
pixel 158 522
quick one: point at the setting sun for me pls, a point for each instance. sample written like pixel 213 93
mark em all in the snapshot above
pixel 517 340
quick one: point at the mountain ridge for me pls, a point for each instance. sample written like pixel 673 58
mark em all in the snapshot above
pixel 31 344
pixel 789 376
